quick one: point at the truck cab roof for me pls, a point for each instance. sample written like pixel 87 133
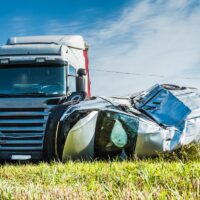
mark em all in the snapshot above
pixel 68 48
pixel 73 41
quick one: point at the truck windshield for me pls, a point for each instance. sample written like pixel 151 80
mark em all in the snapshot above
pixel 32 80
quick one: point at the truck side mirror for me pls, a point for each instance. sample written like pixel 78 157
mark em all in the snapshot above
pixel 81 72
pixel 80 84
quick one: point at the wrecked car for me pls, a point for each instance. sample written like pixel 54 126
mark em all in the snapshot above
pixel 157 120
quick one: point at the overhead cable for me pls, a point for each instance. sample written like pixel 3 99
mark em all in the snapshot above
pixel 142 74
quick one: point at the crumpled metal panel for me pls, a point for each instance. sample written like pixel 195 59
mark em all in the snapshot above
pixel 161 105
pixel 151 139
pixel 191 132
pixel 191 98
pixel 80 140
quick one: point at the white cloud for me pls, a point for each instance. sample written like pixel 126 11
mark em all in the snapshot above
pixel 149 37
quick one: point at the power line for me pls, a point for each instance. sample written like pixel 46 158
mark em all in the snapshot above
pixel 140 74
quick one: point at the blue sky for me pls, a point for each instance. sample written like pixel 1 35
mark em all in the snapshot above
pixel 51 17
pixel 156 39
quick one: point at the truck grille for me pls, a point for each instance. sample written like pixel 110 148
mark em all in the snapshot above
pixel 22 129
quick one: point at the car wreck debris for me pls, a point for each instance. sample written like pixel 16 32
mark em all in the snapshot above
pixel 161 119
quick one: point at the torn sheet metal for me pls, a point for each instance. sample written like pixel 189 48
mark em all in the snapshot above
pixel 156 103
pixel 80 140
pixel 157 120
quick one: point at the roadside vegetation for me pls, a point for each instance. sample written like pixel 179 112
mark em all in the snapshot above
pixel 170 176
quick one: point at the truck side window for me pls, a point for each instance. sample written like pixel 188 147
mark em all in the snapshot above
pixel 72 78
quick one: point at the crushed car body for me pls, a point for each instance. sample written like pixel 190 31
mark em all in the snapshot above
pixel 157 120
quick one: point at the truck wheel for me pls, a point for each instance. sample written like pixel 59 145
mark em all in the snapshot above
pixel 50 133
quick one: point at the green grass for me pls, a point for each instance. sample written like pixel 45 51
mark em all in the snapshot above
pixel 172 176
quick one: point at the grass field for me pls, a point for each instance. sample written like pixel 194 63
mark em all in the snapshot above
pixel 173 176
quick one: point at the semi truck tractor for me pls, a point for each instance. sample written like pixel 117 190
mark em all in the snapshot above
pixel 38 74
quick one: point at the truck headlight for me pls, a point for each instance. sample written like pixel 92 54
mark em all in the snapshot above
pixel 4 61
pixel 40 60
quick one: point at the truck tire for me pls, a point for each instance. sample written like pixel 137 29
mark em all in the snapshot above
pixel 49 148
pixel 49 153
